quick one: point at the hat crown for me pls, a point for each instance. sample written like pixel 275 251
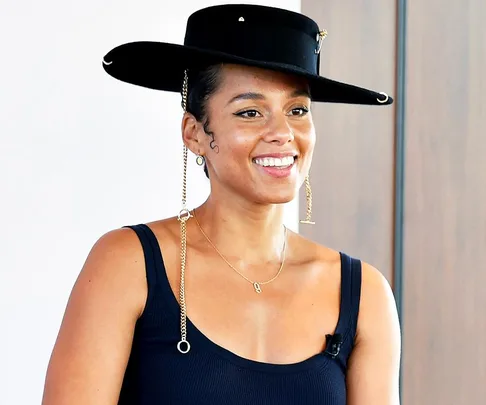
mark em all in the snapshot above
pixel 258 33
pixel 224 15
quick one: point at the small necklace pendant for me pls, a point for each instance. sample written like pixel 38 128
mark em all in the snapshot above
pixel 257 287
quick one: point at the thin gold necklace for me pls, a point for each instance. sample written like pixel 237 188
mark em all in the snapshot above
pixel 256 285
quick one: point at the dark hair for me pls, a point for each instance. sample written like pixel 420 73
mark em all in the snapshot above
pixel 202 83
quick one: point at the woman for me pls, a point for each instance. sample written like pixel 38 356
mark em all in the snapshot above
pixel 222 304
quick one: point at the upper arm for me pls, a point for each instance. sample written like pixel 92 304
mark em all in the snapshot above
pixel 374 364
pixel 89 358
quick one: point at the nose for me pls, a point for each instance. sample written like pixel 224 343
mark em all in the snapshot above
pixel 279 131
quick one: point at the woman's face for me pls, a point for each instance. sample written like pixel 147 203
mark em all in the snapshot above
pixel 262 134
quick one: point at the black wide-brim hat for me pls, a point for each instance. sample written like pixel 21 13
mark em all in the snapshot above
pixel 251 35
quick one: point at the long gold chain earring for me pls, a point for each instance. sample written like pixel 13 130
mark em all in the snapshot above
pixel 308 197
pixel 184 346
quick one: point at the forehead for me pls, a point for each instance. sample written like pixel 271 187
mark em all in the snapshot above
pixel 245 78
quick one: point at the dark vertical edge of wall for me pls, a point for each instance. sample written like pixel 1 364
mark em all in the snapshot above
pixel 399 156
pixel 399 160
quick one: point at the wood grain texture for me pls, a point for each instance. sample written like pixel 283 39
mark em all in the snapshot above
pixel 444 297
pixel 352 169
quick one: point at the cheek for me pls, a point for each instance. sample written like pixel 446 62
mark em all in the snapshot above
pixel 307 137
pixel 237 140
pixel 235 148
pixel 242 137
pixel 239 144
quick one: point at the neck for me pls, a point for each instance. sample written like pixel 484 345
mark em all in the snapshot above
pixel 253 232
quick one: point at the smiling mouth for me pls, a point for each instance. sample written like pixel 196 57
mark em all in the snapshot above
pixel 278 163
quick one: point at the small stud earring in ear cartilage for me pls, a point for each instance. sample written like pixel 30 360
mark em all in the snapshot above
pixel 308 197
pixel 200 160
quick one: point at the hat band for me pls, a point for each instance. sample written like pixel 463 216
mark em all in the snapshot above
pixel 256 42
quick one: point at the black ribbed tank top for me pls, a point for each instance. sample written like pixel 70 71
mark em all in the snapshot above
pixel 158 374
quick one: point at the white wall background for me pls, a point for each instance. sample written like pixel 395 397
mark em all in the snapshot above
pixel 80 154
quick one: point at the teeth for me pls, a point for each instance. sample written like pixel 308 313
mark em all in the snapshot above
pixel 283 162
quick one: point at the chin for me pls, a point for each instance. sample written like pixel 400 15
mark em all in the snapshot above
pixel 276 197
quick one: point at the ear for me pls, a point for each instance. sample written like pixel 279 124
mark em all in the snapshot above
pixel 191 134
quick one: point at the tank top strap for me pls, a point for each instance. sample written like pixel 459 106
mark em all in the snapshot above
pixel 350 295
pixel 152 256
pixel 341 343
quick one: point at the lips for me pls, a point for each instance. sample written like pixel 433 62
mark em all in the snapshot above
pixel 277 162
pixel 275 167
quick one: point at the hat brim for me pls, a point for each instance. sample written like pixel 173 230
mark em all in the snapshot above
pixel 160 66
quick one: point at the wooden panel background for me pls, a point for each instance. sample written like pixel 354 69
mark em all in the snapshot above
pixel 445 204
pixel 444 273
pixel 352 169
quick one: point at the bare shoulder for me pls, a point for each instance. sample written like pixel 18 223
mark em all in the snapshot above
pixel 309 250
pixel 116 262
pixel 93 345
pixel 320 258
pixel 377 302
pixel 378 315
pixel 374 364
pixel 166 230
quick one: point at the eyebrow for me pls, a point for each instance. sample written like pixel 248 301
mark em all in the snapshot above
pixel 258 96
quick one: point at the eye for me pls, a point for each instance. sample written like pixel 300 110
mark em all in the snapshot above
pixel 248 114
pixel 299 111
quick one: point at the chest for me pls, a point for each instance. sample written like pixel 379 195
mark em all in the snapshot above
pixel 286 323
